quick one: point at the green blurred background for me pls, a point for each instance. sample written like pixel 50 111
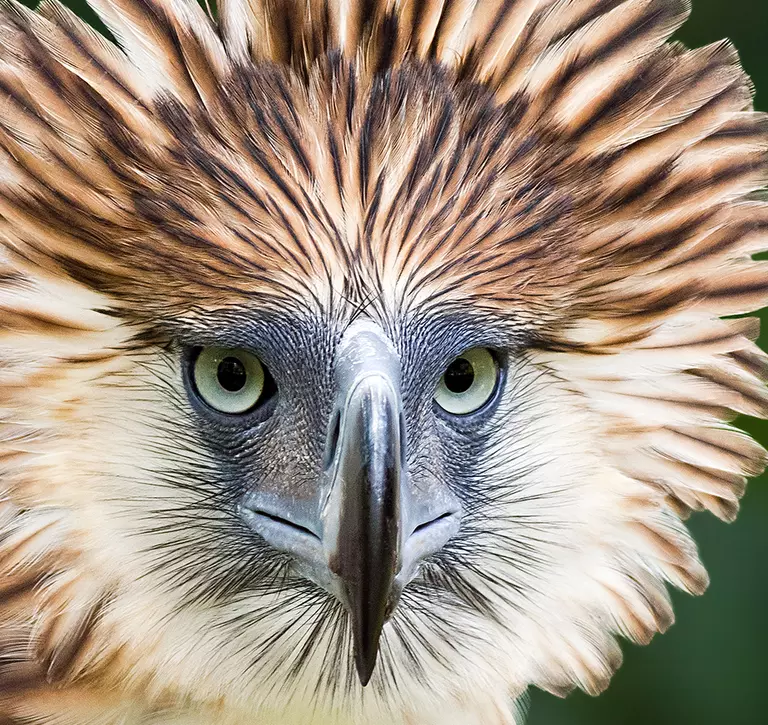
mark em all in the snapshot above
pixel 712 667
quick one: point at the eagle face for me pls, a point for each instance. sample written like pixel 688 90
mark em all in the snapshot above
pixel 361 364
pixel 345 491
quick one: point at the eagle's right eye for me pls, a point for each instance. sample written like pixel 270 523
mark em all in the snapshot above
pixel 230 380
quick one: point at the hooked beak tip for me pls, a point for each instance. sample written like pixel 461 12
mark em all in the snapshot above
pixel 365 662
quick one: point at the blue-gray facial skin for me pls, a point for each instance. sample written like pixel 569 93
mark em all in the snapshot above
pixel 347 475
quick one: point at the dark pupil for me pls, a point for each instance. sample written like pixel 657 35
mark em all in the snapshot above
pixel 459 376
pixel 231 374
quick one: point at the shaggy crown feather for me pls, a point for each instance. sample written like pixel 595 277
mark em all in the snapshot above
pixel 558 162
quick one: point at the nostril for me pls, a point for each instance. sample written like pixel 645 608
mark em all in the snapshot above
pixel 428 538
pixel 434 522
pixel 403 446
pixel 333 440
pixel 285 536
pixel 284 522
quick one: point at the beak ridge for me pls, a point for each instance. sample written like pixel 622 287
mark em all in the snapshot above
pixel 363 512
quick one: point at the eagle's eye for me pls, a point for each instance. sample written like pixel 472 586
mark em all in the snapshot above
pixel 229 380
pixel 469 382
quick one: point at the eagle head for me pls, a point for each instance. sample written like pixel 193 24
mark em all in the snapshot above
pixel 361 361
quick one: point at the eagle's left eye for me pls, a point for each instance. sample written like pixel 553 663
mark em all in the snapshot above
pixel 469 382
pixel 229 380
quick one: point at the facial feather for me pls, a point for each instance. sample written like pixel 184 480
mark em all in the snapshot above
pixel 552 172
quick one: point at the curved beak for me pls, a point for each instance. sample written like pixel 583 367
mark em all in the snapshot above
pixel 362 516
